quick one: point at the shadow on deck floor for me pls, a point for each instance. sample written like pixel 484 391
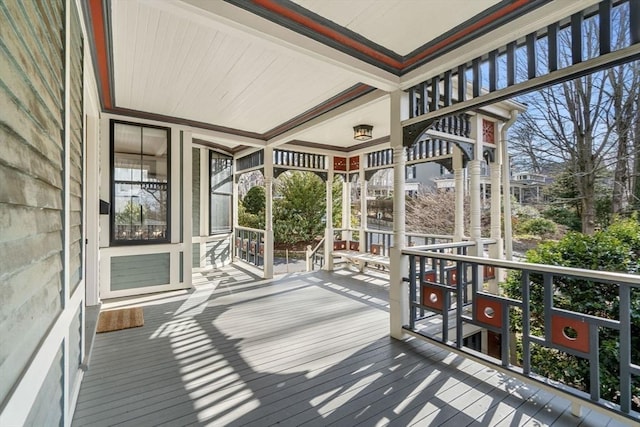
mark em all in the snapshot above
pixel 303 349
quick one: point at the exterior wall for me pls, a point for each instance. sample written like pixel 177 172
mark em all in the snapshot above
pixel 42 63
pixel 135 269
pixel 218 252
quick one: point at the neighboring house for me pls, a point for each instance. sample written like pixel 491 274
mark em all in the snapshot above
pixel 528 187
pixel 525 187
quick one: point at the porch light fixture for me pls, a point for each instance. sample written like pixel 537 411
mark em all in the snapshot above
pixel 362 132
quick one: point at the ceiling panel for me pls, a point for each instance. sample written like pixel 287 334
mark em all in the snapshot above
pixel 339 131
pixel 173 65
pixel 399 25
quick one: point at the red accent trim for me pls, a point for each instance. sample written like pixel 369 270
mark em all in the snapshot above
pixel 327 32
pixel 427 291
pixel 483 303
pixel 340 164
pixel 99 37
pixel 488 131
pixel 580 342
pixel 354 163
pixel 309 23
pixel 339 245
pixel 485 21
pixel 489 272
pixel 430 276
pixel 452 277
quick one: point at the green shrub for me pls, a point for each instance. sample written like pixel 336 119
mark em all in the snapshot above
pixel 537 227
pixel 567 217
pixel 616 248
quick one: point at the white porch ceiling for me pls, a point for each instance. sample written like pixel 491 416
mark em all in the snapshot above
pixel 255 72
pixel 177 66
pixel 399 25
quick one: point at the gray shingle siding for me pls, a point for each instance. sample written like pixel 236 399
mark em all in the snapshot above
pixel 31 177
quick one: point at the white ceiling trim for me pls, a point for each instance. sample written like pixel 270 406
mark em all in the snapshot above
pixel 246 23
pixel 345 109
pixel 220 138
pixel 532 21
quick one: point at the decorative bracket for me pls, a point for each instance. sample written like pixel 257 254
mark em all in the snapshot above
pixel 412 133
pixel 237 175
pixel 489 155
pixel 467 150
pixel 279 171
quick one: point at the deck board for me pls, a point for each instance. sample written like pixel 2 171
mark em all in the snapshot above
pixel 304 349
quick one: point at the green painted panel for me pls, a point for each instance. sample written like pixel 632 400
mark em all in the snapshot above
pixel 195 263
pixel 181 188
pixel 139 271
pixel 195 191
pixel 47 408
pixel 181 278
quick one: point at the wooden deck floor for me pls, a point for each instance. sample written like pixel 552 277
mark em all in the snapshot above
pixel 304 349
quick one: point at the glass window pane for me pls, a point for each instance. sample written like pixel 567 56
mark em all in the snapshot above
pixel 154 203
pixel 141 183
pixel 221 174
pixel 127 138
pixel 128 212
pixel 220 213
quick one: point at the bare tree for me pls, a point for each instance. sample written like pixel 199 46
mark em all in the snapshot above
pixel 589 124
pixel 433 212
pixel 525 149
pixel 635 177
pixel 624 82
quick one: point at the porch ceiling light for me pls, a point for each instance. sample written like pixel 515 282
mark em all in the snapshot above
pixel 362 132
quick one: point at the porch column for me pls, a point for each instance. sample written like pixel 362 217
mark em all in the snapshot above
pixel 268 213
pixel 506 184
pixel 363 206
pixel 496 251
pixel 328 230
pixel 475 187
pixel 398 290
pixel 458 179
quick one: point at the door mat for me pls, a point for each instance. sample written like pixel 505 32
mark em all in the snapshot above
pixel 115 320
